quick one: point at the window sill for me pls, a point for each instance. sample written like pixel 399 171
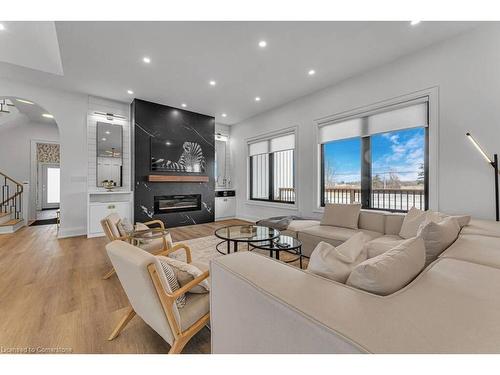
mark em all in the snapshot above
pixel 284 206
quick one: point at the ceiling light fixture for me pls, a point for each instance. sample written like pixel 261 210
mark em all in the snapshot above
pixel 103 139
pixel 130 92
pixel 224 115
pixel 24 101
pixel 311 72
pixel 262 44
pixel 212 83
pixel 47 115
pixel 107 132
pixel 183 105
pixel 2 27
pixel 257 98
pixel 414 23
pixel 146 59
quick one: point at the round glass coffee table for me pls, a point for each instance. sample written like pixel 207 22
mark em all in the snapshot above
pixel 245 234
pixel 288 244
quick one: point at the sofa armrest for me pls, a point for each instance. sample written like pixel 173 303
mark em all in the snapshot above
pixel 255 308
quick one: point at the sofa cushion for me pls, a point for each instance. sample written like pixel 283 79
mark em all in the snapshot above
pixel 393 222
pixel 336 263
pixel 390 271
pixel 475 248
pixel 372 220
pixel 341 215
pixel 482 227
pixel 297 225
pixel 337 233
pixel 382 244
pixel 438 236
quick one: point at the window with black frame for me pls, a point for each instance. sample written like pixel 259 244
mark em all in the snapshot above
pixel 379 160
pixel 272 169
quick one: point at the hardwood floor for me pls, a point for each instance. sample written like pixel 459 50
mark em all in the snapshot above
pixel 52 295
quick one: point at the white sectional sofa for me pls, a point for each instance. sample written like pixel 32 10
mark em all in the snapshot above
pixel 260 305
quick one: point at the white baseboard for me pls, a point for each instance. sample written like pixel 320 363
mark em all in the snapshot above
pixel 251 219
pixel 71 232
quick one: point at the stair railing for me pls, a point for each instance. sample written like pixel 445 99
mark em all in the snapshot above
pixel 11 198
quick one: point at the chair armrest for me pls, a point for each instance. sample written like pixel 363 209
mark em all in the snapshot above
pixel 152 222
pixel 176 247
pixel 186 288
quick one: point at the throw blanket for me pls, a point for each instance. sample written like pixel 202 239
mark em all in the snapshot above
pixel 279 222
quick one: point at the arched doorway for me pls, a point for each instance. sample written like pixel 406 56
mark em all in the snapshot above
pixel 30 156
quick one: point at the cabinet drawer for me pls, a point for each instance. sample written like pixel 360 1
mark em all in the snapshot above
pixel 225 207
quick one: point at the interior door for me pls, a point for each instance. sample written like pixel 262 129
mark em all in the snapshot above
pixel 50 186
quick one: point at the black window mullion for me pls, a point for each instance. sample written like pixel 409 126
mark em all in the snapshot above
pixel 366 172
pixel 322 175
pixel 271 177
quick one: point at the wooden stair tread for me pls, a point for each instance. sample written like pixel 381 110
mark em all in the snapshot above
pixel 2 214
pixel 10 223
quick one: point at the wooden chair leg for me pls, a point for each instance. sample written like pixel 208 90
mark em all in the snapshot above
pixel 123 322
pixel 177 346
pixel 108 274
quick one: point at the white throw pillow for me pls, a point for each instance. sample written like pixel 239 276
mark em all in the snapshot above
pixel 462 220
pixel 169 278
pixel 336 263
pixel 186 272
pixel 390 271
pixel 341 215
pixel 413 219
pixel 438 236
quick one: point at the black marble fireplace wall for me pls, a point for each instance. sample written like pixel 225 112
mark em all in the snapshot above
pixel 172 142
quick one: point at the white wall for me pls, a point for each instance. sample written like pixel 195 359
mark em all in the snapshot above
pixel 15 150
pixel 70 114
pixel 466 71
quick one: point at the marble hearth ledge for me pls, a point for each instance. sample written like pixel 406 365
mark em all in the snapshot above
pixel 166 178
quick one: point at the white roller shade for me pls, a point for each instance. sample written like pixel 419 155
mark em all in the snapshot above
pixel 403 118
pixel 398 117
pixel 341 130
pixel 258 148
pixel 286 142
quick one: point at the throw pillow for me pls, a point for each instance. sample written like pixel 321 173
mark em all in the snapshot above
pixel 341 215
pixel 336 263
pixel 413 218
pixel 462 220
pixel 438 236
pixel 171 279
pixel 186 272
pixel 390 271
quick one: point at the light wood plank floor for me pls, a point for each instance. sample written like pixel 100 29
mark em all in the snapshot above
pixel 52 295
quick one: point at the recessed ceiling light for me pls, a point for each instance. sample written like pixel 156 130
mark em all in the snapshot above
pixel 183 105
pixel 2 27
pixel 24 101
pixel 107 132
pixel 212 83
pixel 311 72
pixel 413 23
pixel 130 92
pixel 224 115
pixel 257 98
pixel 168 143
pixel 103 139
pixel 262 44
pixel 146 59
pixel 47 115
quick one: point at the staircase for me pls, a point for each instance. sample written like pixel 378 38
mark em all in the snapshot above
pixel 11 197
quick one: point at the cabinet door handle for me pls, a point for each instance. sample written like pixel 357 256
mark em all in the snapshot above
pixel 111 206
pixel 225 199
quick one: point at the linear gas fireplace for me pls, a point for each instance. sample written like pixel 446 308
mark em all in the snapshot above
pixel 165 204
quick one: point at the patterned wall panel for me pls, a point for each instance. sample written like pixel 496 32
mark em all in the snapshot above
pixel 48 153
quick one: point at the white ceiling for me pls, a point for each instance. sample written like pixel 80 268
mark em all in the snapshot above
pixel 105 59
pixel 33 112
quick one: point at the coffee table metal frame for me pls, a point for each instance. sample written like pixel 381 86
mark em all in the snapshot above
pixel 273 248
pixel 235 241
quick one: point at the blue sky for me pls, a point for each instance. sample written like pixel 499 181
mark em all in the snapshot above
pixel 401 152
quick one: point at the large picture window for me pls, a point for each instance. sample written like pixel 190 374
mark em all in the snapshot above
pixel 379 160
pixel 272 174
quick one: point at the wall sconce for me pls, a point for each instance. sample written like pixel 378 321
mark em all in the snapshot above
pixel 494 164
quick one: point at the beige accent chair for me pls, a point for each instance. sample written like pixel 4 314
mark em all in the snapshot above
pixel 110 225
pixel 152 299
